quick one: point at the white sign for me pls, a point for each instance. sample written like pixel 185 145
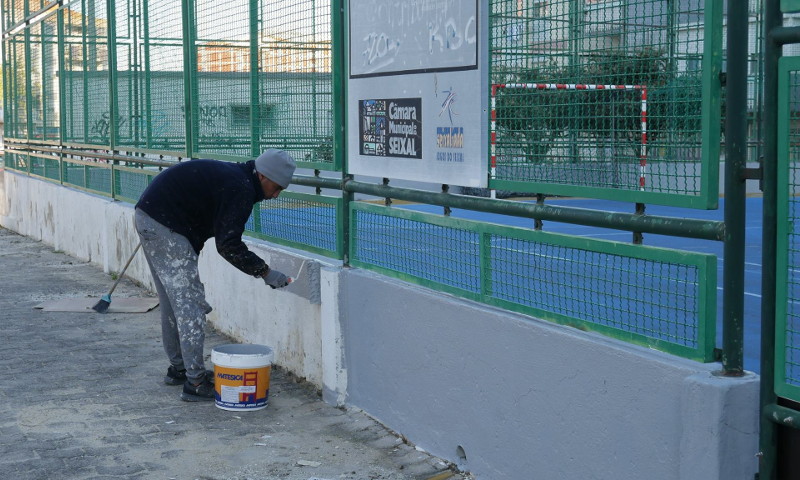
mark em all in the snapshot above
pixel 411 36
pixel 417 94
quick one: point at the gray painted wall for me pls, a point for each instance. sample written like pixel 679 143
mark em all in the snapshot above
pixel 527 399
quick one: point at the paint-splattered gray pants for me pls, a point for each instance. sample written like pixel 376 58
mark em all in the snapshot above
pixel 173 263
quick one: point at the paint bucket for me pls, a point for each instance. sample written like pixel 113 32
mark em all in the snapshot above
pixel 241 376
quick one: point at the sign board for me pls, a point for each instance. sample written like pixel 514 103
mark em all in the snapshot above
pixel 418 90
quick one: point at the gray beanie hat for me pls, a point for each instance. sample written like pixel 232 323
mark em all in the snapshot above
pixel 276 165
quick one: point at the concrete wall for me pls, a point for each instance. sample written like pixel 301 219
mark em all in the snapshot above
pixel 505 396
pixel 520 398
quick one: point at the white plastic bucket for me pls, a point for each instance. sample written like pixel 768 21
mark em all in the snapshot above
pixel 241 376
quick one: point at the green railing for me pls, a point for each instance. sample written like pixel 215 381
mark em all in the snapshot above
pixel 651 296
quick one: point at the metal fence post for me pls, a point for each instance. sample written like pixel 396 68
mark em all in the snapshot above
pixel 189 75
pixel 62 88
pixel 145 19
pixel 339 92
pixel 255 104
pixel 113 100
pixel 735 161
pixel 768 435
pixel 255 108
pixel 28 87
pixel 86 64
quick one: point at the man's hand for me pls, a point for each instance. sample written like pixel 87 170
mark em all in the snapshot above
pixel 276 279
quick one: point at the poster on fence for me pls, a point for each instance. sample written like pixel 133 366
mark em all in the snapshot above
pixel 418 91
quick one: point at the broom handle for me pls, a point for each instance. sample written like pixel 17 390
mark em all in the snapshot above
pixel 119 277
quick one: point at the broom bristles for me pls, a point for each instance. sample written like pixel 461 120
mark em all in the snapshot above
pixel 103 304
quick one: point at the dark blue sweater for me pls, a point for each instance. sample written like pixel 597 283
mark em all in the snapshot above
pixel 200 199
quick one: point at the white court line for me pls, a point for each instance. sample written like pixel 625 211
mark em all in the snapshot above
pixel 795 302
pixel 758 265
pixel 747 293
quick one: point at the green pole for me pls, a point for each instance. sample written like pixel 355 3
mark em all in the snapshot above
pixel 188 75
pixel 113 105
pixel 255 104
pixel 674 226
pixel 134 74
pixel 768 434
pixel 339 134
pixel 314 73
pixel 682 227
pixel 255 109
pixel 62 97
pixel 28 87
pixel 86 68
pixel 148 101
pixel 735 190
pixel 711 102
pixel 43 66
pixel 6 84
pixel 9 73
pixel 576 25
pixel 68 100
pixel 91 34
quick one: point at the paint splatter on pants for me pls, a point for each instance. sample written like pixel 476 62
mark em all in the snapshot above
pixel 173 264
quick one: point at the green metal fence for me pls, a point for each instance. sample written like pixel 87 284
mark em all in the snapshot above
pixel 149 79
pixel 16 87
pixel 45 166
pixel 116 86
pixel 192 79
pixel 633 116
pixel 787 341
pixel 13 13
pixel 309 221
pixel 86 73
pixel 780 356
pixel 646 295
pixel 314 222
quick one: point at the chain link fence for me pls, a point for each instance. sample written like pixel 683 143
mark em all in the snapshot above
pixel 632 115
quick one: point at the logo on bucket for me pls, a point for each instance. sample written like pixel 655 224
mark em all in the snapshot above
pixel 241 389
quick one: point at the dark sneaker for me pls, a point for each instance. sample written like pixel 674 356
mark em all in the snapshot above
pixel 178 377
pixel 198 393
pixel 175 376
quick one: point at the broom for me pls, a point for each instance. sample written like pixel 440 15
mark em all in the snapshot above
pixel 105 301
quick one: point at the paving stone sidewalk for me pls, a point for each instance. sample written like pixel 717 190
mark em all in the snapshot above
pixel 81 397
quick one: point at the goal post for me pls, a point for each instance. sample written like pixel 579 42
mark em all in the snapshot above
pixel 642 89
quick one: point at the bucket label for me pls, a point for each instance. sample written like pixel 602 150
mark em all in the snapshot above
pixel 232 395
pixel 241 388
